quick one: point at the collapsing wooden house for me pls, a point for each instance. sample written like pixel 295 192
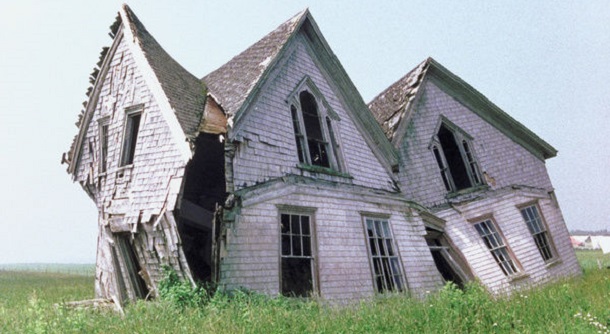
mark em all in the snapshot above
pixel 272 174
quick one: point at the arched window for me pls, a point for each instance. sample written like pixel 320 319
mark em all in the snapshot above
pixel 313 131
pixel 453 153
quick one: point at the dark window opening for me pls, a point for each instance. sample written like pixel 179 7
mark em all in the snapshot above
pixel 318 147
pixel 103 146
pixel 387 275
pixel 454 159
pixel 132 127
pixel 297 277
pixel 450 263
pixel 132 269
pixel 203 190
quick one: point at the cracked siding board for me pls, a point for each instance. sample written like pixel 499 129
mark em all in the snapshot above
pixel 268 149
pixel 343 266
pixel 503 159
pixel 145 189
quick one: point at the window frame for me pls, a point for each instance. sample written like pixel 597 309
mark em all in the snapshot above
pixel 328 121
pixel 301 212
pixel 130 139
pixel 504 249
pixel 464 143
pixel 104 139
pixel 545 234
pixel 396 270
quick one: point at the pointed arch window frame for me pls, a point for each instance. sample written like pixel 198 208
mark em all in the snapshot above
pixel 329 122
pixel 467 152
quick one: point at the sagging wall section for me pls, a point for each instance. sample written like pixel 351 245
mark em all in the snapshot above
pixel 342 268
pixel 135 199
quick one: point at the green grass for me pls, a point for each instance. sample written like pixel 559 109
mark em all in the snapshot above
pixel 569 306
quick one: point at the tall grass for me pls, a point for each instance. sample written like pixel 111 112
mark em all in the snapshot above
pixel 579 305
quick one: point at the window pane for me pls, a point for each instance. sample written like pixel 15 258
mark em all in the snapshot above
pixel 306 246
pixel 295 225
pixel 297 279
pixel 296 246
pixel 285 224
pixel 386 269
pixel 286 245
pixel 305 225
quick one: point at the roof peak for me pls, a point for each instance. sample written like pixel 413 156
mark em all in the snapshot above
pixel 233 81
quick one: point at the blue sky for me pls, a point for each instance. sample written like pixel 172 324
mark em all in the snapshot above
pixel 545 63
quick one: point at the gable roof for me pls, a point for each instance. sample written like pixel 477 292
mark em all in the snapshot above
pixel 237 82
pixel 185 92
pixel 393 107
pixel 233 82
pixel 180 94
pixel 390 106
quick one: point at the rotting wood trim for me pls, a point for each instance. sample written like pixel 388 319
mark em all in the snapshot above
pixel 214 120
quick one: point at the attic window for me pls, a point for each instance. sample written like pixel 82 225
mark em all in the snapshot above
pixel 132 126
pixel 453 153
pixel 495 243
pixel 314 127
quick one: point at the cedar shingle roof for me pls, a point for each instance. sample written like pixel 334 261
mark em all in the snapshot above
pixel 391 105
pixel 185 92
pixel 232 83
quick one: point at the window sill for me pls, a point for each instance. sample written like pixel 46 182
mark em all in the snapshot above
pixel 323 170
pixel 553 263
pixel 517 277
pixel 121 170
pixel 467 191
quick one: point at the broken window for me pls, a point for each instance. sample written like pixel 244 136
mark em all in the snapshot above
pixel 103 153
pixel 315 140
pixel 387 273
pixel 453 153
pixel 128 269
pixel 495 243
pixel 537 228
pixel 447 260
pixel 297 260
pixel 132 126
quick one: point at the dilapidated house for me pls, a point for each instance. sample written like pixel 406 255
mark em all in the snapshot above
pixel 271 173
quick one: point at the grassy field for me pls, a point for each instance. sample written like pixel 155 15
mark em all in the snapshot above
pixel 580 305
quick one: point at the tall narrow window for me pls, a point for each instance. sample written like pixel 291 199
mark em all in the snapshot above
pixel 538 230
pixel 456 161
pixel 387 274
pixel 318 146
pixel 296 256
pixel 103 153
pixel 132 126
pixel 313 131
pixel 496 245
